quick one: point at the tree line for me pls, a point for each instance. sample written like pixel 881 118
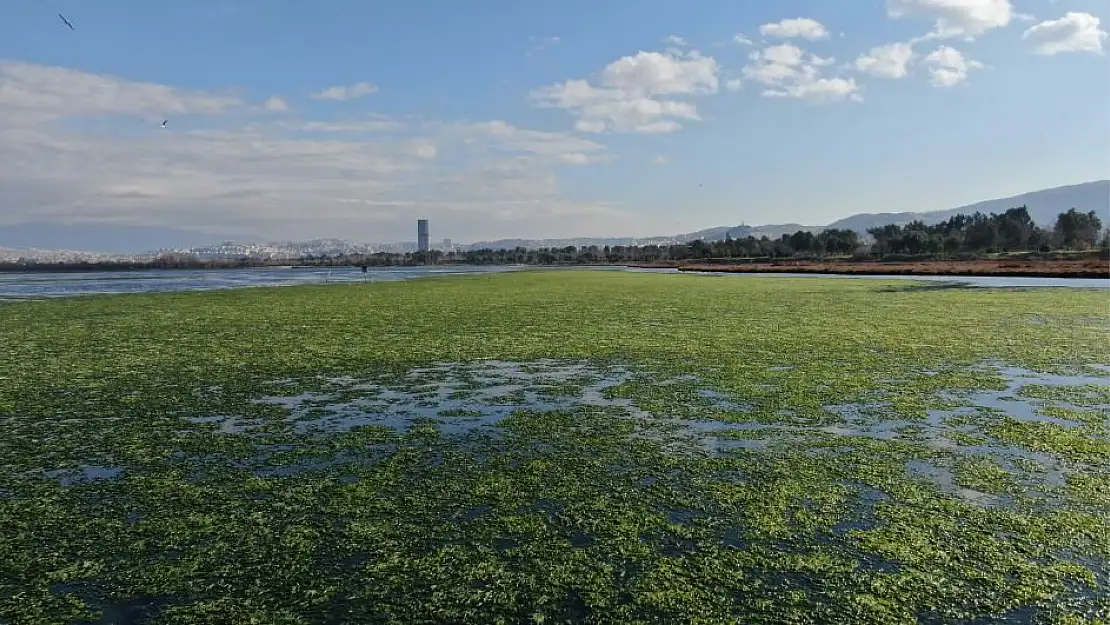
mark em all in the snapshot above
pixel 961 236
pixel 1012 231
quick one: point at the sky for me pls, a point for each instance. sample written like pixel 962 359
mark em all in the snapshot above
pixel 500 118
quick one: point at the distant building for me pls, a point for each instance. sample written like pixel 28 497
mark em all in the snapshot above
pixel 447 245
pixel 422 235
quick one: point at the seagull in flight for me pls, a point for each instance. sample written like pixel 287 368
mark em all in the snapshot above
pixel 164 122
pixel 66 21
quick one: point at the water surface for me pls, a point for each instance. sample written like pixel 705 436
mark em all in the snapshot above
pixel 22 286
pixel 38 285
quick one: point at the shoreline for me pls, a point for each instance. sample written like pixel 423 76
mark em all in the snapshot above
pixel 1086 268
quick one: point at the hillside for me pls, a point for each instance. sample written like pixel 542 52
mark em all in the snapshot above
pixel 1043 205
pixel 771 231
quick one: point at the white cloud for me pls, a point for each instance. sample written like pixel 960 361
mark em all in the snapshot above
pixel 1075 32
pixel 662 74
pixel 275 104
pixel 45 92
pixel 674 40
pixel 660 160
pixel 791 72
pixel 499 135
pixel 346 92
pixel 889 61
pixel 802 27
pixel 422 148
pixel 345 126
pixel 580 158
pixel 626 96
pixel 741 39
pixel 734 84
pixel 818 89
pixel 588 125
pixel 784 54
pixel 64 159
pixel 955 18
pixel 948 66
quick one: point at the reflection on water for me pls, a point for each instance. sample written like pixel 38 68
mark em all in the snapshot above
pixel 459 398
pixel 997 282
pixel 22 286
pixel 16 286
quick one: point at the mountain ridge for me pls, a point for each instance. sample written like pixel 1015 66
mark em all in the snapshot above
pixel 1043 204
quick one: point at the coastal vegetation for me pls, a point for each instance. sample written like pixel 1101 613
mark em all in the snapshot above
pixel 550 446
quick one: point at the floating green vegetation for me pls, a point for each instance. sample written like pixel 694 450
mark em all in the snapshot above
pixel 1077 444
pixel 557 447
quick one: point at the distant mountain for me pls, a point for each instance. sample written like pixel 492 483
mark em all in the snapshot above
pixel 709 234
pixel 739 232
pixel 509 244
pixel 1044 206
pixel 106 238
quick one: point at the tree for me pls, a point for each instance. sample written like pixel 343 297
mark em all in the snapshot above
pixel 699 248
pixel 803 242
pixel 1040 239
pixel 981 234
pixel 884 235
pixel 1076 230
pixel 1015 228
pixel 834 241
pixel 952 244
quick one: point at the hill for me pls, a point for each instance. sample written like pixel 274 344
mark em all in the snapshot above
pixel 739 232
pixel 1043 205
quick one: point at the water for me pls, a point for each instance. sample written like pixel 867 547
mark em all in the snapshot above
pixel 460 398
pixel 996 282
pixel 22 286
pixel 83 473
pixel 19 286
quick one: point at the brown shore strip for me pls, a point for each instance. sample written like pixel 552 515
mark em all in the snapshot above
pixel 1085 268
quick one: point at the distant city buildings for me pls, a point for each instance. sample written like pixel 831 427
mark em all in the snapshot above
pixel 447 246
pixel 422 235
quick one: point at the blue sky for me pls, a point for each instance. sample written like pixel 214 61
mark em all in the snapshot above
pixel 498 118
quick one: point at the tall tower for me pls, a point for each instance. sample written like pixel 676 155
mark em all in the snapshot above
pixel 422 235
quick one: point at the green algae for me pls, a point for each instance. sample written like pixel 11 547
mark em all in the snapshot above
pixel 609 509
pixel 1076 444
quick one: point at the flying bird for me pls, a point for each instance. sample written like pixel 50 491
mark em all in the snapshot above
pixel 164 122
pixel 66 21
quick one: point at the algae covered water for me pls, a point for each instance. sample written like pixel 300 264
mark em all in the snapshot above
pixel 558 446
